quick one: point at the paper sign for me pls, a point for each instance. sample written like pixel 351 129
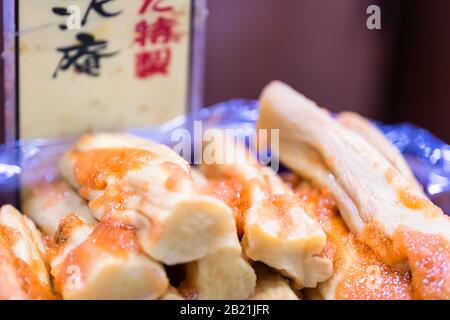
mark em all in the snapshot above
pixel 87 65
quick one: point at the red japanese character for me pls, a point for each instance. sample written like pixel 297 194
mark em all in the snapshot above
pixel 158 32
pixel 142 29
pixel 156 6
pixel 161 30
pixel 152 62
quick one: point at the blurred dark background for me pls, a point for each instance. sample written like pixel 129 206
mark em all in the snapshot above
pixel 324 50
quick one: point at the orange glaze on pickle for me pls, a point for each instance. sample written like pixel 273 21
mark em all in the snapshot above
pixel 322 208
pixel 9 235
pixel 176 176
pixel 429 260
pixel 30 285
pixel 92 168
pixel 55 246
pixel 113 201
pixel 229 188
pixel 369 278
pixel 106 240
pixel 427 255
pixel 119 240
pixel 413 201
pixel 234 193
pixel 410 198
pixel 374 236
pixel 364 276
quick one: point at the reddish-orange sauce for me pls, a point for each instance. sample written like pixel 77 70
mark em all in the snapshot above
pixel 173 182
pixel 374 236
pixel 114 203
pixel 322 208
pixel 119 240
pixel 10 287
pixel 176 176
pixel 56 245
pixel 410 198
pixel 106 239
pixel 65 227
pixel 93 167
pixel 427 255
pixel 31 284
pixel 26 278
pixel 429 260
pixel 113 200
pixel 9 235
pixel 235 194
pixel 364 276
pixel 368 278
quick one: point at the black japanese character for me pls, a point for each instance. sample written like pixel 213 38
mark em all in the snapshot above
pixel 96 5
pixel 85 56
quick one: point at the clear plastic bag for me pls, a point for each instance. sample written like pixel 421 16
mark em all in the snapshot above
pixel 29 162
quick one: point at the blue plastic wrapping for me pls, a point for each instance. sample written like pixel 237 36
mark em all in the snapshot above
pixel 428 156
